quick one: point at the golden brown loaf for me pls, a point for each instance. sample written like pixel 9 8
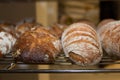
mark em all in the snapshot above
pixel 110 38
pixel 20 29
pixel 37 46
pixel 81 45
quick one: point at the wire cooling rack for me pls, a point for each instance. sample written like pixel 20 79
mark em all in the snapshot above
pixel 8 66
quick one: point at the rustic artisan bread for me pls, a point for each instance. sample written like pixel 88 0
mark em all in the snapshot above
pixel 21 28
pixel 7 42
pixel 80 43
pixel 103 22
pixel 109 35
pixel 8 27
pixel 37 46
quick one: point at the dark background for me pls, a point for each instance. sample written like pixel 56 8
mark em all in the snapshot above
pixel 109 9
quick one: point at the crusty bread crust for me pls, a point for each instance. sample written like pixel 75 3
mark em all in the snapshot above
pixel 37 46
pixel 110 38
pixel 81 44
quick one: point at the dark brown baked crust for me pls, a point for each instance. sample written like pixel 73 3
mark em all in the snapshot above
pixel 36 46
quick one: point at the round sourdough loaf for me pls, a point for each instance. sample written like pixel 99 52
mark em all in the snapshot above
pixel 37 46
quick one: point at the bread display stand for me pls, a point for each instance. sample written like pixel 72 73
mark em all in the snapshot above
pixel 42 9
pixel 9 65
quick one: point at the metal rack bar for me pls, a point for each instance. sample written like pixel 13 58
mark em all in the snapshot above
pixel 102 63
pixel 61 60
pixel 62 71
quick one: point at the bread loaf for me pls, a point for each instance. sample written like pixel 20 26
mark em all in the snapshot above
pixel 57 29
pixel 103 22
pixel 7 42
pixel 80 43
pixel 20 29
pixel 110 38
pixel 86 21
pixel 37 46
pixel 7 27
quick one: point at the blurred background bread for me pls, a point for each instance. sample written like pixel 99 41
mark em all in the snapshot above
pixel 57 29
